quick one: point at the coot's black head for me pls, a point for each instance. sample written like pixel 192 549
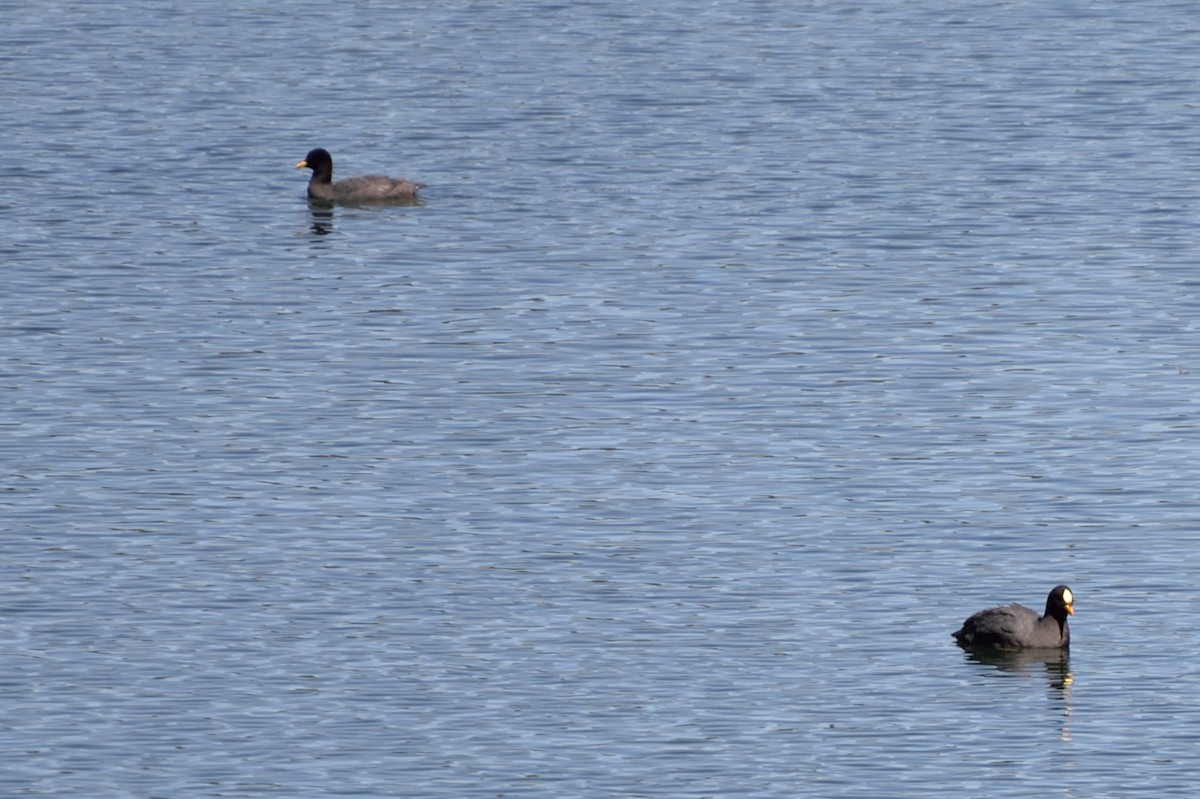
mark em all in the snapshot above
pixel 1060 603
pixel 319 161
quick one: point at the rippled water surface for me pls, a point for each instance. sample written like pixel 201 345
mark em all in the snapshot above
pixel 737 352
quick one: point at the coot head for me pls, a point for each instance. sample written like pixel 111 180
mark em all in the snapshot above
pixel 1060 603
pixel 320 162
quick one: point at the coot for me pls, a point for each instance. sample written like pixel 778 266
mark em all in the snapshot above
pixel 1017 627
pixel 362 189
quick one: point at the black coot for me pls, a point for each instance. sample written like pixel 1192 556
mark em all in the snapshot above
pixel 362 189
pixel 1017 627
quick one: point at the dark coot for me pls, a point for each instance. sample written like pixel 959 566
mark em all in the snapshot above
pixel 362 189
pixel 1018 627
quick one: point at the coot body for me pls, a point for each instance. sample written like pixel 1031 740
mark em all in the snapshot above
pixel 1018 627
pixel 361 189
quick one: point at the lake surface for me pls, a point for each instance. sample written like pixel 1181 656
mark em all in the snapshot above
pixel 737 352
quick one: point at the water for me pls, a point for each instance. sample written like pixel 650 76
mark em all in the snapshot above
pixel 736 354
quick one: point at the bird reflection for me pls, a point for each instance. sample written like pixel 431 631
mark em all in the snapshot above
pixel 322 211
pixel 1056 662
pixel 322 217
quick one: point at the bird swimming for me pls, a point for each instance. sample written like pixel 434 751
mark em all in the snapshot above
pixel 361 189
pixel 1018 627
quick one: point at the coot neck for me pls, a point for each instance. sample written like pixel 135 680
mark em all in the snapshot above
pixel 323 173
pixel 1059 614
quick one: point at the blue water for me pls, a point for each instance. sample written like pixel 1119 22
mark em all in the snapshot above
pixel 735 355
